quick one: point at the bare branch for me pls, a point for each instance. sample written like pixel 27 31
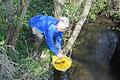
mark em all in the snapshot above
pixel 58 6
pixel 18 6
pixel 0 2
pixel 78 27
pixel 80 2
pixel 24 10
pixel 10 9
pixel 13 48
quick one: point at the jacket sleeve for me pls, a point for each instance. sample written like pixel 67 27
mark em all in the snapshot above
pixel 58 40
pixel 49 40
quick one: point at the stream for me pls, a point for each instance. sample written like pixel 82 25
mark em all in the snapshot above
pixel 93 51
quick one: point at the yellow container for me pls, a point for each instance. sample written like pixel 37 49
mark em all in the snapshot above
pixel 61 64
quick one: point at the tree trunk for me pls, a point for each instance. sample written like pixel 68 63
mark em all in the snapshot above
pixel 13 32
pixel 11 36
pixel 78 27
pixel 10 13
pixel 58 7
pixel 0 2
pixel 0 11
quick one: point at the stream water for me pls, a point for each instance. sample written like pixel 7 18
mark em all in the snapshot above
pixel 93 51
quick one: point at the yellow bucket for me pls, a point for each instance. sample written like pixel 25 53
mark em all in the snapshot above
pixel 61 64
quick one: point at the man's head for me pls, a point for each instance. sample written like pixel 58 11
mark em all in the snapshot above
pixel 63 24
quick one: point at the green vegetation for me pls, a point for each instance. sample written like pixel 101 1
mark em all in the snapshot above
pixel 23 52
pixel 71 11
pixel 98 7
pixel 116 16
pixel 114 10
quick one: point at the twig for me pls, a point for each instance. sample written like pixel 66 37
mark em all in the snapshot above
pixel 10 46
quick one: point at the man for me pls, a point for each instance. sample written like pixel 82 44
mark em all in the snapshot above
pixel 51 28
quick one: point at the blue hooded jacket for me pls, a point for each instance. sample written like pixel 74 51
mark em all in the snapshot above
pixel 47 26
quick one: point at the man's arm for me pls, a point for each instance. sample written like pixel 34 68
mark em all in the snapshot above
pixel 49 40
pixel 58 40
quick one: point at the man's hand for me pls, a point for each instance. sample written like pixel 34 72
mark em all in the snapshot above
pixel 60 54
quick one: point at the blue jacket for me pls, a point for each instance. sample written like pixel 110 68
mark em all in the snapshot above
pixel 47 26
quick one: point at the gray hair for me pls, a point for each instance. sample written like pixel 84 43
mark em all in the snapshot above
pixel 65 20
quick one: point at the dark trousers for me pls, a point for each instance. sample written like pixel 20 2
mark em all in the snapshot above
pixel 37 53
